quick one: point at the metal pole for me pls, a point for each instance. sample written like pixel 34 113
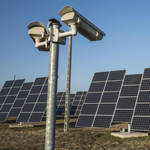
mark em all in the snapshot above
pixel 67 101
pixel 14 77
pixel 52 94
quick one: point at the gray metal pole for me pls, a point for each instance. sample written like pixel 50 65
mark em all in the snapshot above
pixel 14 77
pixel 67 101
pixel 52 94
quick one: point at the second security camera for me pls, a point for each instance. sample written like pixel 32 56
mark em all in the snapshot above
pixel 84 26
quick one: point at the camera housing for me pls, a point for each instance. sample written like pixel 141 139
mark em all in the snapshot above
pixel 36 31
pixel 84 26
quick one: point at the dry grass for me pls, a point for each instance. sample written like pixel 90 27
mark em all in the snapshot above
pixel 75 139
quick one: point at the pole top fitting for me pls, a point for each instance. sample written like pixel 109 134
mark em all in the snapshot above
pixel 54 21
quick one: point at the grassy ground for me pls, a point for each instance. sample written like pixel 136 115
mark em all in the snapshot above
pixel 76 139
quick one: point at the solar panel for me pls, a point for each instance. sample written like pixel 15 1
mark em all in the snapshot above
pixel 82 99
pixel 101 99
pixel 127 99
pixel 76 102
pixel 60 104
pixel 35 104
pixel 141 117
pixel 8 96
pixel 22 95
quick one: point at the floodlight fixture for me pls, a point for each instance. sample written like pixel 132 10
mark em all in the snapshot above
pixel 84 26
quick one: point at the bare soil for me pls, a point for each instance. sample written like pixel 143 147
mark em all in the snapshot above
pixel 33 138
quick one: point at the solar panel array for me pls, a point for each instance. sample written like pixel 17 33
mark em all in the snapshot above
pixel 112 97
pixel 27 101
pixel 99 106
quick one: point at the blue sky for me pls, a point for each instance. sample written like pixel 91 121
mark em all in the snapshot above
pixel 126 45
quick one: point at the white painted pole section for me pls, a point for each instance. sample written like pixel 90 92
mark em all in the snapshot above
pixel 67 101
pixel 52 94
pixel 129 127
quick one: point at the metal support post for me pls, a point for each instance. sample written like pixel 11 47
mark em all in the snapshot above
pixel 14 77
pixel 21 123
pixel 129 127
pixel 67 101
pixel 52 94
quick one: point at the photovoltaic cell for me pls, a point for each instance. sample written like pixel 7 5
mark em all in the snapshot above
pixel 116 75
pixel 5 91
pixel 123 116
pixel 141 123
pixel 104 97
pixel 42 98
pixel 89 109
pixel 32 98
pixel 146 73
pixel 129 90
pixel 19 103
pixel 106 109
pixel 85 121
pixel 36 117
pixel 40 81
pixel 113 86
pixel 132 79
pixel 8 84
pixel 145 85
pixel 23 94
pixel 144 96
pixel 97 87
pixel 23 117
pixel 14 112
pixel 2 98
pixel 14 91
pixel 110 97
pixel 142 110
pixel 26 86
pixel 100 76
pixel 93 98
pixel 10 99
pixel 126 103
pixel 18 83
pixel 102 122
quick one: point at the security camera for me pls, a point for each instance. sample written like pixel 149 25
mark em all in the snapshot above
pixel 36 31
pixel 84 26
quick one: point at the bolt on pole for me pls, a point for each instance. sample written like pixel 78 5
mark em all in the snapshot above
pixel 67 100
pixel 52 94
